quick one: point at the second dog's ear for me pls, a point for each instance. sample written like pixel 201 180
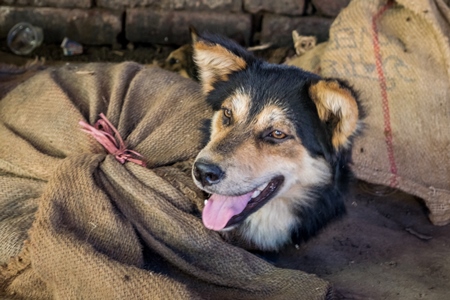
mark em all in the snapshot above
pixel 217 58
pixel 194 34
pixel 337 106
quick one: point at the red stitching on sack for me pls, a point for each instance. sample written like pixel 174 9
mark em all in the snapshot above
pixel 106 134
pixel 384 95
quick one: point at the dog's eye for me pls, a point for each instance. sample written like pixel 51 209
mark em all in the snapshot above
pixel 173 61
pixel 226 112
pixel 276 134
pixel 226 118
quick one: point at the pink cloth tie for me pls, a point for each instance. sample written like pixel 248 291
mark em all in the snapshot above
pixel 107 135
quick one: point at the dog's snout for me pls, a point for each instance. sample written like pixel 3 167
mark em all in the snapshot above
pixel 207 174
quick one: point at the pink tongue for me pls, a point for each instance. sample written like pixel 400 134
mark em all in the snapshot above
pixel 220 209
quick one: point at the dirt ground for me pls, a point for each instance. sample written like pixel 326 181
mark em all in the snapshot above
pixel 53 54
pixel 384 248
pixel 140 53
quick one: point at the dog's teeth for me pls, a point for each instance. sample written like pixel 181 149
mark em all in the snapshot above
pixel 206 201
pixel 256 193
pixel 262 187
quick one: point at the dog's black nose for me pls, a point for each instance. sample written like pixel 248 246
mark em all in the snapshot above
pixel 207 174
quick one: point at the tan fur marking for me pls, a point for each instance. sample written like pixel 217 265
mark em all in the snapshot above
pixel 331 99
pixel 215 63
pixel 216 124
pixel 273 116
pixel 240 105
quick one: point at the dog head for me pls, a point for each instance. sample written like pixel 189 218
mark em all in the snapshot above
pixel 278 135
pixel 180 60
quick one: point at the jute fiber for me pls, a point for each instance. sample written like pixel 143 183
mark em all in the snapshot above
pixel 78 224
pixel 397 54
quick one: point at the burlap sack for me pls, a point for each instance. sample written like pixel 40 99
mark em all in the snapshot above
pixel 103 230
pixel 397 55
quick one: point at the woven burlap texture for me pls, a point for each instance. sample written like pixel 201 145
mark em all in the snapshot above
pixel 103 230
pixel 397 55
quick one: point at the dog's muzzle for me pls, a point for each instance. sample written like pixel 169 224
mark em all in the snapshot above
pixel 207 173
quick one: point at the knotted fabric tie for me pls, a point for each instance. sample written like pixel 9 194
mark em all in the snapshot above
pixel 106 134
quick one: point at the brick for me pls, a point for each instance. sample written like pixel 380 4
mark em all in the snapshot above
pixel 278 29
pixel 86 26
pixel 197 5
pixel 287 7
pixel 330 8
pixel 124 4
pixel 162 27
pixel 49 3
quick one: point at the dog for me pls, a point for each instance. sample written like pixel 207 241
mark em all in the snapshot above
pixel 276 164
pixel 303 44
pixel 181 60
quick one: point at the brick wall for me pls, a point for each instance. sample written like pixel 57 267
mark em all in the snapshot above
pixel 109 22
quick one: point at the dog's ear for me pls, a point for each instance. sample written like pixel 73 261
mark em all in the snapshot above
pixel 217 58
pixel 194 34
pixel 337 106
